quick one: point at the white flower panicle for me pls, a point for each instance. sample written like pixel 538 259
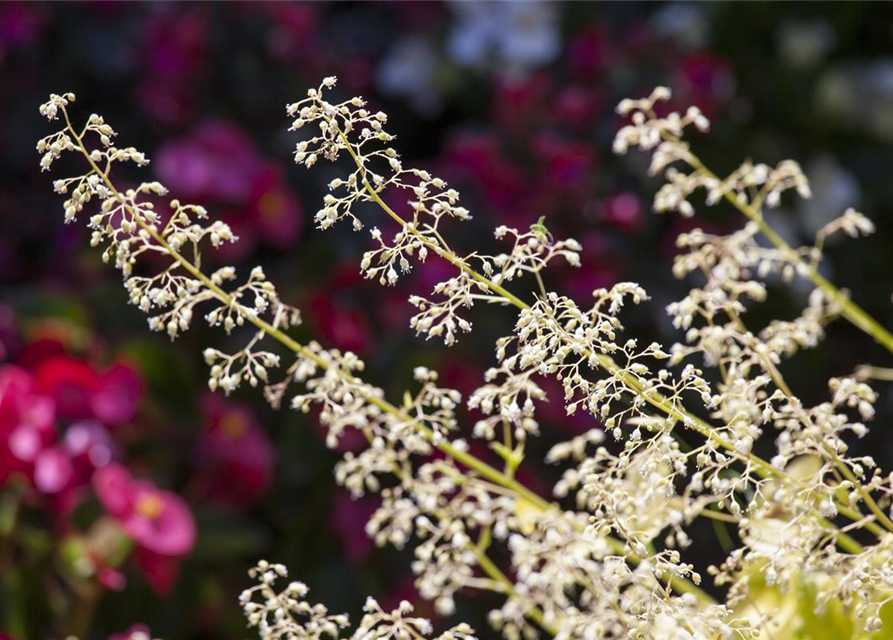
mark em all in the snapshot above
pixel 349 128
pixel 131 224
pixel 287 614
pixel 677 434
pixel 654 488
pixel 137 223
pixel 787 522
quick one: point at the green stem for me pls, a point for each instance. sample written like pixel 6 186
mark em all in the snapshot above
pixel 496 574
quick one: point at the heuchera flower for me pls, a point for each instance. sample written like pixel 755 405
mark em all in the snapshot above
pixel 158 521
pixel 236 459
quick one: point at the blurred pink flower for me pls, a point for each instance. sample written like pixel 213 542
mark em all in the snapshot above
pixel 625 211
pixel 80 392
pixel 218 163
pixel 236 460
pixel 30 446
pixel 160 571
pixel 590 53
pixel 705 80
pixel 347 520
pixel 90 447
pixel 117 397
pixel 169 101
pixel 342 320
pixel 566 163
pixel 21 23
pixel 111 579
pixel 218 160
pixel 70 383
pixel 476 157
pixel 53 470
pixel 134 632
pixel 27 423
pixel 293 29
pixel 578 105
pixel 157 520
pixel 175 41
pixel 274 208
pixel 34 352
pixel 173 55
pixel 520 103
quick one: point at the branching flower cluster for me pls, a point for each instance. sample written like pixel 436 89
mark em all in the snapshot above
pixel 287 614
pixel 675 429
pixel 348 128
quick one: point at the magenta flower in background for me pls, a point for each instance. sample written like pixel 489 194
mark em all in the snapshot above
pixel 118 395
pixel 218 163
pixel 347 521
pixel 27 423
pixel 30 446
pixel 625 211
pixel 160 521
pixel 111 579
pixel 32 354
pixel 705 80
pixel 217 160
pixel 90 446
pixel 579 105
pixel 235 458
pixel 70 383
pixel 134 632
pixel 566 161
pixel 80 392
pixel 342 320
pixel 21 24
pixel 173 52
pixel 53 470
pixel 589 53
pixel 274 207
pixel 294 30
pixel 476 157
pixel 160 571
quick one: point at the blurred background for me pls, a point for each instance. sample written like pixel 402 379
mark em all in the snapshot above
pixel 512 103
